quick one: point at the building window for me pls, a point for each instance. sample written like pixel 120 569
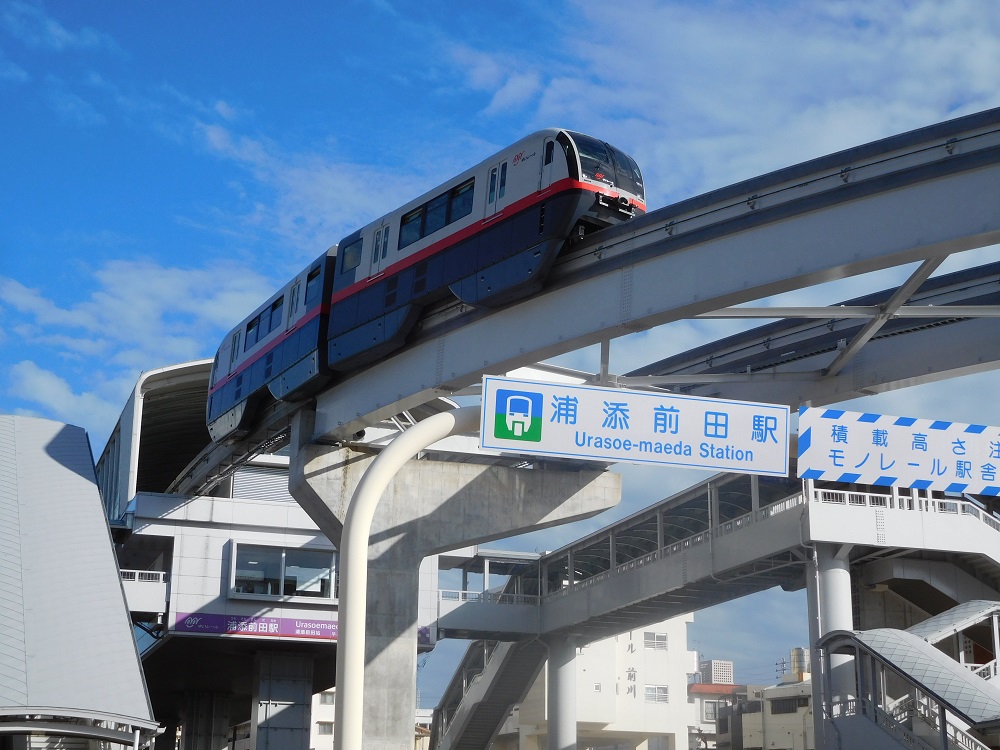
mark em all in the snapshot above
pixel 657 694
pixel 324 727
pixel 710 710
pixel 274 571
pixel 784 705
pixel 327 698
pixel 597 687
pixel 655 640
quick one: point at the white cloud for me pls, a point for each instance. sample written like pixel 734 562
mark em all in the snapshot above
pixel 56 398
pixel 704 95
pixel 315 198
pixel 71 107
pixel 12 73
pixel 516 91
pixel 28 22
pixel 226 111
pixel 132 316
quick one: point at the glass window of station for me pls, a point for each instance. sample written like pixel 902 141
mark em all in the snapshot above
pixel 280 572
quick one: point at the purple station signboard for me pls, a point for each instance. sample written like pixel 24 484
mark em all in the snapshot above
pixel 278 627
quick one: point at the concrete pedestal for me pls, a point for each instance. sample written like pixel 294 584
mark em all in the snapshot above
pixel 282 701
pixel 205 721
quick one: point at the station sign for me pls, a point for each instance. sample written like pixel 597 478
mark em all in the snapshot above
pixel 878 449
pixel 643 427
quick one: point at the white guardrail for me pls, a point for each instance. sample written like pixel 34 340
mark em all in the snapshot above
pixel 948 506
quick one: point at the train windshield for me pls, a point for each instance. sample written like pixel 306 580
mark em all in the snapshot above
pixel 605 163
pixel 595 161
pixel 629 176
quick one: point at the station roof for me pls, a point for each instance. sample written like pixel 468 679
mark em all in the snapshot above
pixel 955 620
pixel 67 656
pixel 939 675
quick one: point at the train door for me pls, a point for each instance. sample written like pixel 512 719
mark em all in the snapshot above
pixel 380 250
pixel 548 159
pixel 496 197
pixel 293 305
pixel 234 350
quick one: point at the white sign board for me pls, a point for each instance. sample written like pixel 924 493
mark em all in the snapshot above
pixel 610 424
pixel 877 449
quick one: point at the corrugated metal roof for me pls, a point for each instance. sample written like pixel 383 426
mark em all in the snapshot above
pixel 66 646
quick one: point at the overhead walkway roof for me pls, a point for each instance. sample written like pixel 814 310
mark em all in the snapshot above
pixel 971 697
pixel 68 661
pixel 955 620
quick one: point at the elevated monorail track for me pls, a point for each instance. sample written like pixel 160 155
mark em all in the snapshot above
pixel 916 197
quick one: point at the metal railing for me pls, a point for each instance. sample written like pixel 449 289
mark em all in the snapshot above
pixel 907 709
pixel 682 545
pixel 987 671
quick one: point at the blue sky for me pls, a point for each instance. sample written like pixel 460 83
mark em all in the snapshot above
pixel 167 165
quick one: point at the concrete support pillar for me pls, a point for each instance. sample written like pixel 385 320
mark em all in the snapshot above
pixel 205 722
pixel 561 700
pixel 835 612
pixel 282 701
pixel 426 508
pixel 815 662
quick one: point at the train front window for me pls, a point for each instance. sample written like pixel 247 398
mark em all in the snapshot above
pixel 595 161
pixel 629 178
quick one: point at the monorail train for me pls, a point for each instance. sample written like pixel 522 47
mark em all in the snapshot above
pixel 485 237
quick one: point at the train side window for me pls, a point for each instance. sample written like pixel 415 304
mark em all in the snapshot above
pixel 493 185
pixel 351 256
pixel 503 180
pixel 252 334
pixel 410 226
pixel 461 201
pixel 436 215
pixel 377 245
pixel 314 287
pixel 549 149
pixel 385 241
pixel 276 312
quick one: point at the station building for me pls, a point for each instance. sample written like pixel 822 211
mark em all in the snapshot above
pixel 233 594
